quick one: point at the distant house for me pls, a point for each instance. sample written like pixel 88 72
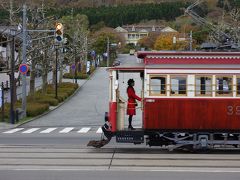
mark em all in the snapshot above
pixel 133 33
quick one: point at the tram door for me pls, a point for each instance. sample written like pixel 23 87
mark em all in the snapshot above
pixel 122 98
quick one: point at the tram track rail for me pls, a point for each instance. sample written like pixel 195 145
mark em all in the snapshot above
pixel 111 158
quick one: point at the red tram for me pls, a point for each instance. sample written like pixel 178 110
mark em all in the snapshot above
pixel 189 100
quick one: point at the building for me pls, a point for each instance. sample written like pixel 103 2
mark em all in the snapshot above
pixel 133 33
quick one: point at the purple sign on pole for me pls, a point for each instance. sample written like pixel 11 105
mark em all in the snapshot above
pixel 73 66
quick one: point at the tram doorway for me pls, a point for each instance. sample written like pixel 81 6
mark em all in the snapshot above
pixel 122 99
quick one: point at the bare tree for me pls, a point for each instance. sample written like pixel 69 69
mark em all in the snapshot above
pixel 235 15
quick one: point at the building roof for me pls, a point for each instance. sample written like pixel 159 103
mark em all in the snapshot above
pixel 138 28
pixel 168 29
pixel 120 29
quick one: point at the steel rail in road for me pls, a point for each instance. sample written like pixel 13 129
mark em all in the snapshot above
pixel 128 159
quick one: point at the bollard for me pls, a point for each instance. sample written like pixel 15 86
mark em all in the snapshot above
pixel 7 85
pixel 17 115
pixel 3 108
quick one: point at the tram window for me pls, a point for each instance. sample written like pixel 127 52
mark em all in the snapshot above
pixel 223 85
pixel 203 86
pixel 238 86
pixel 157 85
pixel 178 85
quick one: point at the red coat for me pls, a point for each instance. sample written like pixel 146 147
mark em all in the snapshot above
pixel 131 110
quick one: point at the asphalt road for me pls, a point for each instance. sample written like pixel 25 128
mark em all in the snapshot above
pixel 114 175
pixel 71 162
pixel 55 145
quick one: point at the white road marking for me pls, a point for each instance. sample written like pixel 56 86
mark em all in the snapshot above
pixel 66 130
pixel 13 130
pixel 30 130
pixel 127 169
pixel 84 130
pixel 48 130
pixel 99 130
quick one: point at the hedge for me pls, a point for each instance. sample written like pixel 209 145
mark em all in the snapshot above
pixel 48 100
pixel 79 76
pixel 40 103
pixel 35 108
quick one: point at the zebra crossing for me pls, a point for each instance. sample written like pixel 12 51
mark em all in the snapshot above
pixel 49 130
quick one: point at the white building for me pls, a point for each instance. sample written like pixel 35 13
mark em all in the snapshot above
pixel 133 33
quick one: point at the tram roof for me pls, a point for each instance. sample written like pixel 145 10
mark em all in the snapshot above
pixel 181 59
pixel 143 54
pixel 194 57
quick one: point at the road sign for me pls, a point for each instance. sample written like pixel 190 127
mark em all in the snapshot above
pixel 23 68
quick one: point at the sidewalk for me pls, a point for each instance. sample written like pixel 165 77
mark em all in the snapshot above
pixel 87 107
pixel 3 125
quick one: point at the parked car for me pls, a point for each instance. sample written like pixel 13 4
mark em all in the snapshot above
pixel 116 63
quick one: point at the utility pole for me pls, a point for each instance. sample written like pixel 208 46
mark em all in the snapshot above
pixel 108 54
pixel 75 58
pixel 56 78
pixel 190 41
pixel 24 61
pixel 12 81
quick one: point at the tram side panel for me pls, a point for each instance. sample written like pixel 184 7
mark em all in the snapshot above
pixel 192 114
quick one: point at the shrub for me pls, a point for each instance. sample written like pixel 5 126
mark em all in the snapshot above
pixel 40 103
pixel 6 112
pixel 69 91
pixel 45 99
pixel 48 100
pixel 68 85
pixel 80 75
pixel 35 108
pixel 61 96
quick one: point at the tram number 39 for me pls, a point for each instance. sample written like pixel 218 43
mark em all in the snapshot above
pixel 233 110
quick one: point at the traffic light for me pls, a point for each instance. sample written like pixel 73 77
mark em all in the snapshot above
pixel 59 32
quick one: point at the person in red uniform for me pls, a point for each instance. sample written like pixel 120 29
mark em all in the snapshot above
pixel 131 106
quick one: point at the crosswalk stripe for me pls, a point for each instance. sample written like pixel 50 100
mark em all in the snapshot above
pixel 66 130
pixel 99 130
pixel 84 130
pixel 13 130
pixel 30 130
pixel 48 130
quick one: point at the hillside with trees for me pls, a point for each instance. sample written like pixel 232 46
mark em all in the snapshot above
pixel 223 14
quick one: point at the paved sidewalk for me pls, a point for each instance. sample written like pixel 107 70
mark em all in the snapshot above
pixel 4 125
pixel 86 107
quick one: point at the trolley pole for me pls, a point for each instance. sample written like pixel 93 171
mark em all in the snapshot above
pixel 24 42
